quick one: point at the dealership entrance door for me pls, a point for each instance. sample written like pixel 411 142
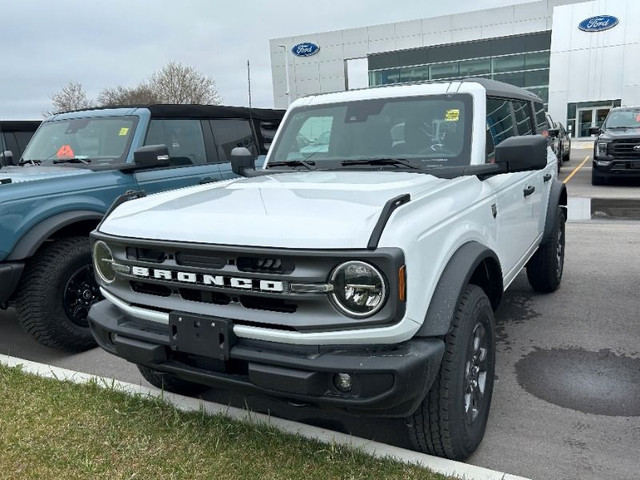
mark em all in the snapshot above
pixel 590 117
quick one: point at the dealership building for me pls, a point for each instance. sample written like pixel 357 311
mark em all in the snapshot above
pixel 580 57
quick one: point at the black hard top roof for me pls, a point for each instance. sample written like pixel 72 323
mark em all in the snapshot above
pixel 19 125
pixel 166 110
pixel 495 88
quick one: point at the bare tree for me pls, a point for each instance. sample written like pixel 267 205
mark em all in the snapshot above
pixel 142 94
pixel 177 83
pixel 71 97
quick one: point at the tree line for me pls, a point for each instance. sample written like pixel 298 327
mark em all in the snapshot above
pixel 174 83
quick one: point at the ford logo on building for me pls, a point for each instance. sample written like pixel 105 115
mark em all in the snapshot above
pixel 305 49
pixel 598 24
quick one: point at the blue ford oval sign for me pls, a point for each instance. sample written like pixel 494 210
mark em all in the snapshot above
pixel 305 49
pixel 598 24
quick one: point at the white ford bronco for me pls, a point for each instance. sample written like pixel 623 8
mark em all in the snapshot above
pixel 359 269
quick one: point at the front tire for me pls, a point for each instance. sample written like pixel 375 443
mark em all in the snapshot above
pixel 170 382
pixel 451 420
pixel 55 294
pixel 545 268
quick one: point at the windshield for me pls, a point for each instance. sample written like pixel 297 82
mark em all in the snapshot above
pixel 623 119
pixel 422 131
pixel 82 140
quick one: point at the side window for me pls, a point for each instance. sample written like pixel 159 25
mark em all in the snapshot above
pixel 524 120
pixel 541 119
pixel 3 146
pixel 499 124
pixel 231 133
pixel 183 138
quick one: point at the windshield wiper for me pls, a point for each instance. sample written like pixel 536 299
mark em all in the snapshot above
pixel 23 162
pixel 84 161
pixel 293 163
pixel 381 161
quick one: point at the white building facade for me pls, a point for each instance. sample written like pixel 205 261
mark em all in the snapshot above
pixel 579 68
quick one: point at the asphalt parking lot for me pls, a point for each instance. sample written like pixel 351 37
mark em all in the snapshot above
pixel 567 398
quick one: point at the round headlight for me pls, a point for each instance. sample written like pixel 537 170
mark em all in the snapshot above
pixel 103 262
pixel 358 289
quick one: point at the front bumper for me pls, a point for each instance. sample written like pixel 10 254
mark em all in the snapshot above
pixel 387 380
pixel 617 167
pixel 10 274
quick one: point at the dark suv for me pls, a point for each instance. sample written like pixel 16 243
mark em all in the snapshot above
pixel 73 169
pixel 616 151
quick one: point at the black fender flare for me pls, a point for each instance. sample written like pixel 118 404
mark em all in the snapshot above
pixel 455 277
pixel 557 198
pixel 34 238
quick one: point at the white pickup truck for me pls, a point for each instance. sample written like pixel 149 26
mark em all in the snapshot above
pixel 357 270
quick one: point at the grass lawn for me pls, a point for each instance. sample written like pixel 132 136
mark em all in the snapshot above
pixel 60 430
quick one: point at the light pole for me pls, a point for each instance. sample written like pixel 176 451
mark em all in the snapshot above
pixel 286 73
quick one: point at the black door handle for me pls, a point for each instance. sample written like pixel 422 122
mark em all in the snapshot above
pixel 547 177
pixel 529 190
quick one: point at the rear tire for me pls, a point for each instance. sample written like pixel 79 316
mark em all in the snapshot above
pixel 55 293
pixel 545 268
pixel 451 420
pixel 170 382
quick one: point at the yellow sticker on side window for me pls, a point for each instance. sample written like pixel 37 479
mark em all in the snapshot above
pixel 452 115
pixel 123 131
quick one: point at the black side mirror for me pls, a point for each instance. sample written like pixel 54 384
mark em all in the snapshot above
pixel 242 161
pixel 554 132
pixel 595 130
pixel 151 156
pixel 522 153
pixel 6 158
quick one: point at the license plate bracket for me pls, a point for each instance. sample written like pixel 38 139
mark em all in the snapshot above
pixel 634 165
pixel 210 337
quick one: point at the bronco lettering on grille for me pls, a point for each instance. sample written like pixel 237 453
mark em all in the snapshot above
pixel 209 280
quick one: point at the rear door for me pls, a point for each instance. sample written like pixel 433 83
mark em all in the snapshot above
pixel 519 193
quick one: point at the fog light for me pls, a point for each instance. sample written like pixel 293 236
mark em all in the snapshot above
pixel 343 382
pixel 603 163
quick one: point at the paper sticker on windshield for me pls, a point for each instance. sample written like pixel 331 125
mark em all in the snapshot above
pixel 637 117
pixel 452 115
pixel 123 131
pixel 65 151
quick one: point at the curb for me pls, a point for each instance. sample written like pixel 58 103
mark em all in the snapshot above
pixel 188 404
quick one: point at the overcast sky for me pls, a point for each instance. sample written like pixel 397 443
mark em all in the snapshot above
pixel 47 43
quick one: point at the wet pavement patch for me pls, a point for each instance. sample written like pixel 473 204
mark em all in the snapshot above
pixel 591 382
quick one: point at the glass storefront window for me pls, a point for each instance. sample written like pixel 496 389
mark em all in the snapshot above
pixel 470 68
pixel 444 70
pixel 516 78
pixel 542 92
pixel 536 60
pixel 536 78
pixel 414 74
pixel 389 76
pixel 508 64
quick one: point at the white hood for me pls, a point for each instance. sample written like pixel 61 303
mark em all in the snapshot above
pixel 288 210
